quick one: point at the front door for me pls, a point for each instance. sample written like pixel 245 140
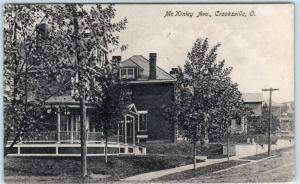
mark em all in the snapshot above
pixel 129 132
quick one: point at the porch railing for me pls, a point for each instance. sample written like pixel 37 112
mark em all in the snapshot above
pixel 71 137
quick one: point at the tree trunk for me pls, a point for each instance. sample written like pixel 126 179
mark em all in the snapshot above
pixel 82 98
pixel 105 149
pixel 15 141
pixel 83 137
pixel 195 160
pixel 228 146
pixel 175 133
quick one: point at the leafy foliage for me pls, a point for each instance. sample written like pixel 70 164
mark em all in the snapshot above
pixel 111 101
pixel 52 50
pixel 206 98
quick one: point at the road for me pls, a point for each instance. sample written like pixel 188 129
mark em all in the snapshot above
pixel 281 168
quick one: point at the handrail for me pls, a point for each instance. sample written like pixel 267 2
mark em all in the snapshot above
pixel 69 136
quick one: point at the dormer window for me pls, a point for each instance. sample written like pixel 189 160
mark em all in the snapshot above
pixel 127 73
pixel 130 73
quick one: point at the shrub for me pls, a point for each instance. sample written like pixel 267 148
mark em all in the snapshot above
pixel 259 138
pixel 182 148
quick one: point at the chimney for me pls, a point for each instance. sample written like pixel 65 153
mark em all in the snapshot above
pixel 152 66
pixel 174 71
pixel 116 59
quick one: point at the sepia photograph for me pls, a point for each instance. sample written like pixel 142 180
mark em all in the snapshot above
pixel 149 93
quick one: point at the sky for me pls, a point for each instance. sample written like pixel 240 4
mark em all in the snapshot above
pixel 260 48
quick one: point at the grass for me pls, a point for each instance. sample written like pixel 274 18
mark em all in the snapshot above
pixel 257 157
pixel 200 171
pixel 216 156
pixel 116 168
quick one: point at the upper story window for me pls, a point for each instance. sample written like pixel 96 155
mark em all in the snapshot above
pixel 127 73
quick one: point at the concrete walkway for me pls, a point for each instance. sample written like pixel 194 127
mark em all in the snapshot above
pixel 156 174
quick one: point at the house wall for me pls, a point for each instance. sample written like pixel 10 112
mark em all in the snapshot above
pixel 276 111
pixel 153 97
pixel 256 108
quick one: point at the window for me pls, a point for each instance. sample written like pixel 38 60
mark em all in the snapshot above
pixel 127 73
pixel 143 122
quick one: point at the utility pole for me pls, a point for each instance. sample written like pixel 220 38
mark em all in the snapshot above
pixel 270 118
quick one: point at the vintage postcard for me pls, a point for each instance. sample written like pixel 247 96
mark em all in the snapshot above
pixel 161 93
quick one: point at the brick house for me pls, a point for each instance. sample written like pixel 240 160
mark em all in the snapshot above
pixel 151 88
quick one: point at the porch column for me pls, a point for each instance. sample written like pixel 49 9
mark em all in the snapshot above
pixel 125 131
pixel 72 128
pixel 58 125
pixel 245 124
pixel 242 124
pixel 118 134
pixel 133 131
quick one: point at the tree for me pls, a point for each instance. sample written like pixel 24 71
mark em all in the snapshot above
pixel 82 38
pixel 23 110
pixel 207 100
pixel 260 124
pixel 71 43
pixel 110 102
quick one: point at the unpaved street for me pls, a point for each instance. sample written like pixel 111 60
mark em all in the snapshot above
pixel 278 169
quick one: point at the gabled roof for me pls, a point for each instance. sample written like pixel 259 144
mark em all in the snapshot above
pixel 131 108
pixel 142 63
pixel 252 97
pixel 61 99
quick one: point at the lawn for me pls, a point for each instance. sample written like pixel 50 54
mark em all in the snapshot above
pixel 117 167
pixel 200 171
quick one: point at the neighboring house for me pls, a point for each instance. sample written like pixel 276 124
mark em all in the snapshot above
pixel 287 120
pixel 254 101
pixel 276 108
pixel 152 88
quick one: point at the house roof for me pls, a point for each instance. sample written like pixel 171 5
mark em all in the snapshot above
pixel 274 104
pixel 61 100
pixel 252 97
pixel 142 63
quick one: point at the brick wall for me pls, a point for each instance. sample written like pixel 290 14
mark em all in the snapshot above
pixel 152 97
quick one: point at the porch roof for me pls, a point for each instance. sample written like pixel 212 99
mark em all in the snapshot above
pixel 63 100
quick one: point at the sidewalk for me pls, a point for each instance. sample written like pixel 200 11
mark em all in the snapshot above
pixel 156 174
